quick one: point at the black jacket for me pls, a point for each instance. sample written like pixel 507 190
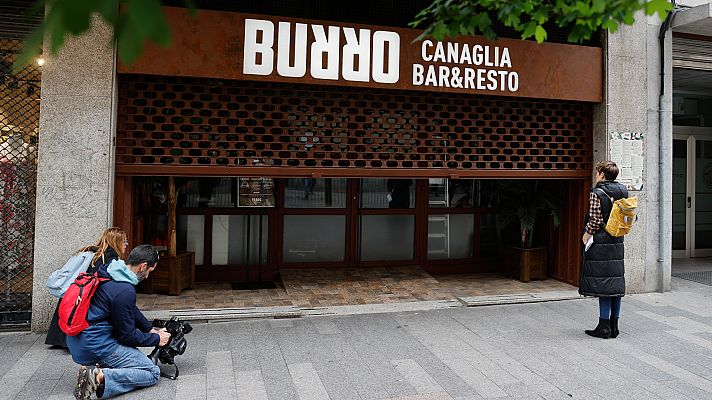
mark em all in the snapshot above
pixel 603 270
pixel 109 256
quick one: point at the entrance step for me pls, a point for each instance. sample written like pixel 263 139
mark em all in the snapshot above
pixel 518 298
pixel 214 314
pixel 217 314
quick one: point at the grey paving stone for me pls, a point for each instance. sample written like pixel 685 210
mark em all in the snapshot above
pixel 220 375
pixel 416 376
pixel 250 385
pixel 307 382
pixel 19 374
pixel 336 379
pixel 191 387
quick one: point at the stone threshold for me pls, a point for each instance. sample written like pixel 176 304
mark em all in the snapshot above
pixel 280 312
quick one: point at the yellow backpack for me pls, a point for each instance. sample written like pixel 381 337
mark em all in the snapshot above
pixel 622 215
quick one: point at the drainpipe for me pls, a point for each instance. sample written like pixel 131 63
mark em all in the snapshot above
pixel 663 137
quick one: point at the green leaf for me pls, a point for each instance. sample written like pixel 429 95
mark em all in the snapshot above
pixel 529 29
pixel 598 6
pixel 76 14
pixel 661 7
pixel 540 34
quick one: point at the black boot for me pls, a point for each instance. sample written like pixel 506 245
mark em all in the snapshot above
pixel 614 327
pixel 603 330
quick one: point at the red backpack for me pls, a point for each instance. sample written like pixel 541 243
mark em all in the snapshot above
pixel 75 303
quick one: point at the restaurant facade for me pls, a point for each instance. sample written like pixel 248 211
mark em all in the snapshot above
pixel 273 138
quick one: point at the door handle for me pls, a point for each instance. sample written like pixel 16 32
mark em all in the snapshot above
pixel 689 202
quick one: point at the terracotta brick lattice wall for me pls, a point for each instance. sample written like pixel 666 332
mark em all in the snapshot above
pixel 194 122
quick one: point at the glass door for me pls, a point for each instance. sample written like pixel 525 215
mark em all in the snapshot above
pixel 386 221
pixel 681 200
pixel 692 195
pixel 315 222
pixel 702 200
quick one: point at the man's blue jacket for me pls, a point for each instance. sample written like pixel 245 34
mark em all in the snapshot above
pixel 113 318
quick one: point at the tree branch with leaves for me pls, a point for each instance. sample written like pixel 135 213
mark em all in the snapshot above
pixel 449 18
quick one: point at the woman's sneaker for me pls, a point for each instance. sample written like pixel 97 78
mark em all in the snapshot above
pixel 87 383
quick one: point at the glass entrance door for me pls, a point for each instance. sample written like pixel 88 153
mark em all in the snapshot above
pixel 702 203
pixel 681 201
pixel 386 221
pixel 692 196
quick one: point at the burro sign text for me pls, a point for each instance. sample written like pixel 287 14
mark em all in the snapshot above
pixel 362 56
pixel 263 48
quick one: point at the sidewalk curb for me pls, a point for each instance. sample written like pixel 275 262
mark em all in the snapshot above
pixel 230 314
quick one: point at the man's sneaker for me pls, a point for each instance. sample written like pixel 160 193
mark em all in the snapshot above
pixel 87 383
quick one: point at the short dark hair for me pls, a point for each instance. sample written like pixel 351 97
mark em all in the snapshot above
pixel 144 253
pixel 608 168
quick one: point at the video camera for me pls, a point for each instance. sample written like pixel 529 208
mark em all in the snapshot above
pixel 176 344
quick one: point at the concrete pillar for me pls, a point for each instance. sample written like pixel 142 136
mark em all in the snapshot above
pixel 631 94
pixel 75 164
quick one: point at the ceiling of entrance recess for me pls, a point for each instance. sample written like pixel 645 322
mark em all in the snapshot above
pixel 692 80
pixel 14 24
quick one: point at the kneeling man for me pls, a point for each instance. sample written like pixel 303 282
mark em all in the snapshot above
pixel 107 349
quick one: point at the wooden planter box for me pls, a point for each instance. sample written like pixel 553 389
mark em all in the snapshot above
pixel 526 264
pixel 172 275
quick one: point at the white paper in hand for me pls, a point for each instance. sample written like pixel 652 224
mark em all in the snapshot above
pixel 589 243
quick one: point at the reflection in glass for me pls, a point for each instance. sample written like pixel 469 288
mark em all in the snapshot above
pixel 205 192
pixel 703 195
pixel 388 193
pixel 315 193
pixel 450 236
pixel 314 238
pixel 236 239
pixel 460 193
pixel 387 237
pixel 679 194
pixel 489 246
pixel 189 235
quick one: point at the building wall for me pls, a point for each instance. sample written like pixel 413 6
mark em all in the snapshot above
pixel 75 172
pixel 631 104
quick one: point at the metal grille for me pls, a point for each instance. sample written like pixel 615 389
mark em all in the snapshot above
pixel 703 277
pixel 208 122
pixel 19 129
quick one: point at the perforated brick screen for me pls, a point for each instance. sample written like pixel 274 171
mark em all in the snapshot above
pixel 187 122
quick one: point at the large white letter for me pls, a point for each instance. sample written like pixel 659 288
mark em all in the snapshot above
pixel 418 77
pixel 329 46
pixel 379 65
pixel 252 48
pixel 424 52
pixel 353 48
pixel 506 62
pixel 300 50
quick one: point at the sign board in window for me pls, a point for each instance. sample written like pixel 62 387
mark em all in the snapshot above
pixel 255 192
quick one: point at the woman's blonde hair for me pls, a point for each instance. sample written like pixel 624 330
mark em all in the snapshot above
pixel 112 237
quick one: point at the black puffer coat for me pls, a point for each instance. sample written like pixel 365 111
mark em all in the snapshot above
pixel 603 271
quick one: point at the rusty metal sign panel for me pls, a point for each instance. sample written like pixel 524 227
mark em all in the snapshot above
pixel 276 49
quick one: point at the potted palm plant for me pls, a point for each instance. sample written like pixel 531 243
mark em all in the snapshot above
pixel 524 203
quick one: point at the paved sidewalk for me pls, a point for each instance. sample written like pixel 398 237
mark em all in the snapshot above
pixel 523 351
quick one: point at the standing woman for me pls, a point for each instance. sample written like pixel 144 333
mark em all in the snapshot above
pixel 603 270
pixel 111 246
